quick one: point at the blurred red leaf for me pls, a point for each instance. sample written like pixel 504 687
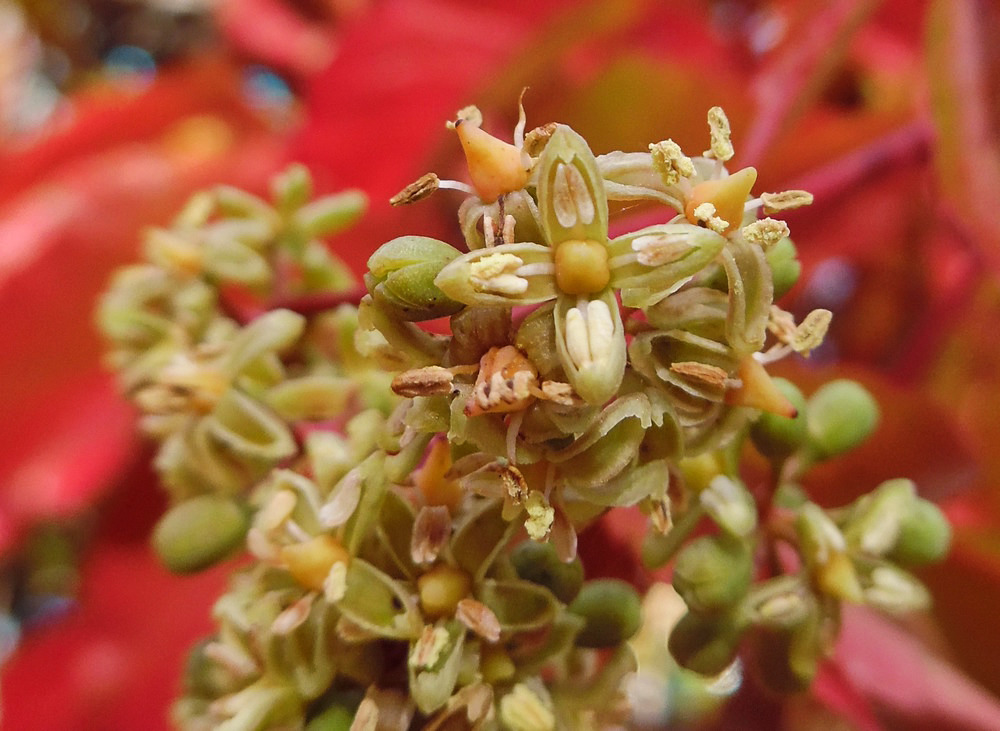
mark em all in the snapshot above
pixel 964 73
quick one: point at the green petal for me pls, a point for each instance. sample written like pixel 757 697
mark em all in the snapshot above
pixel 521 606
pixel 249 429
pixel 594 361
pixel 377 603
pixel 500 276
pixel 605 449
pixel 672 254
pixel 751 292
pixel 571 197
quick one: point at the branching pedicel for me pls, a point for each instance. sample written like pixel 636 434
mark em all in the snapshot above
pixel 415 552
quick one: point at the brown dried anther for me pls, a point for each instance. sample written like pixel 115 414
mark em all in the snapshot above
pixel 427 381
pixel 419 189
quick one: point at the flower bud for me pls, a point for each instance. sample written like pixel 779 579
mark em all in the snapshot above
pixel 401 276
pixel 713 573
pixel 331 214
pixel 538 563
pixel 785 266
pixel 776 436
pixel 924 535
pixel 891 589
pixel 199 532
pixel 841 415
pixel 612 610
pixel 705 644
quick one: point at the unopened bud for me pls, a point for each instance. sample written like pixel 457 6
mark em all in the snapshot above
pixel 713 572
pixel 199 532
pixel 875 523
pixel 841 415
pixel 705 644
pixel 539 564
pixel 612 610
pixel 401 276
pixel 924 535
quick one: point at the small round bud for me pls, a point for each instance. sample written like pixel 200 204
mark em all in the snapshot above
pixel 841 415
pixel 612 610
pixel 310 562
pixel 705 644
pixel 785 266
pixel 441 589
pixel 401 277
pixel 199 532
pixel 713 573
pixel 924 535
pixel 538 563
pixel 776 436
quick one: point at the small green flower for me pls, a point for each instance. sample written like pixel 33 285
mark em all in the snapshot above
pixel 580 268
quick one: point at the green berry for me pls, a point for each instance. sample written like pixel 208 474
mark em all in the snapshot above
pixel 713 573
pixel 612 610
pixel 199 532
pixel 841 415
pixel 776 436
pixel 538 563
pixel 924 535
pixel 705 644
pixel 785 266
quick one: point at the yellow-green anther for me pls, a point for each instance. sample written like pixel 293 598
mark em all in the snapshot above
pixel 786 200
pixel 670 162
pixel 721 147
pixel 523 710
pixel 765 233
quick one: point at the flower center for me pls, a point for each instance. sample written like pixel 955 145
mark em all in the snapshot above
pixel 582 267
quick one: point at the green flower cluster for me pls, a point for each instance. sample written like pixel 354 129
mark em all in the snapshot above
pixel 414 529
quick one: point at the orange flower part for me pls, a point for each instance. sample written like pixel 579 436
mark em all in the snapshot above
pixel 758 390
pixel 727 195
pixel 507 381
pixel 496 167
pixel 431 481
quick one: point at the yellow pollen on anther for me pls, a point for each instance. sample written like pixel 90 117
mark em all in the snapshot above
pixel 728 195
pixel 582 267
